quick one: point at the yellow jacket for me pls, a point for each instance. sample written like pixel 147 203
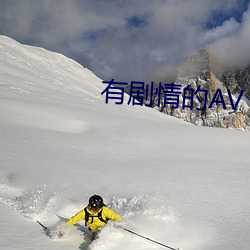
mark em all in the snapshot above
pixel 94 223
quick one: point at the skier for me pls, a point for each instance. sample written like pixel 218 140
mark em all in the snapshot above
pixel 95 214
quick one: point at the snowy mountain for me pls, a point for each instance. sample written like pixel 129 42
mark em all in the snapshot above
pixel 203 93
pixel 198 71
pixel 237 79
pixel 182 185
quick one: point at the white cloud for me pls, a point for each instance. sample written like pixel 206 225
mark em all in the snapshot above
pixel 97 33
pixel 228 28
pixel 233 50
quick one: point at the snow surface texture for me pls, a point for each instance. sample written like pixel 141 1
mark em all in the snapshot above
pixel 182 185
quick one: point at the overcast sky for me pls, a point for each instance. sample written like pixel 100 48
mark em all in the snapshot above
pixel 131 39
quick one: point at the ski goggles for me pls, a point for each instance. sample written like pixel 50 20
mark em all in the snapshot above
pixel 94 208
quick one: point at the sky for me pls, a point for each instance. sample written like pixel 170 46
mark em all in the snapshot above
pixel 132 40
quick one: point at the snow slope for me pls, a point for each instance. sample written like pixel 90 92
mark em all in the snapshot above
pixel 179 184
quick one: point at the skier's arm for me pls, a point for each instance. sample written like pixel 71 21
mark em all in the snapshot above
pixel 77 217
pixel 110 214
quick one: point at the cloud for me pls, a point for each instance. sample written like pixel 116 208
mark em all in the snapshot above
pixel 125 40
pixel 228 28
pixel 233 49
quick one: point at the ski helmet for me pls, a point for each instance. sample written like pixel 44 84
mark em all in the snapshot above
pixel 96 202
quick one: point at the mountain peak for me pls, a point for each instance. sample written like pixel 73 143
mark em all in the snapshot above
pixel 199 71
pixel 198 63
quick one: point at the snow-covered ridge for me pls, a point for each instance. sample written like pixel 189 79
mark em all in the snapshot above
pixel 41 77
pixel 27 69
pixel 35 75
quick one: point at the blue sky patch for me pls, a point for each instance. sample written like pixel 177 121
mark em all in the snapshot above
pixel 219 17
pixel 136 21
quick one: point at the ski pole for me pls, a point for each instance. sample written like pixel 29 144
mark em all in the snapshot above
pixel 45 228
pixel 146 238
